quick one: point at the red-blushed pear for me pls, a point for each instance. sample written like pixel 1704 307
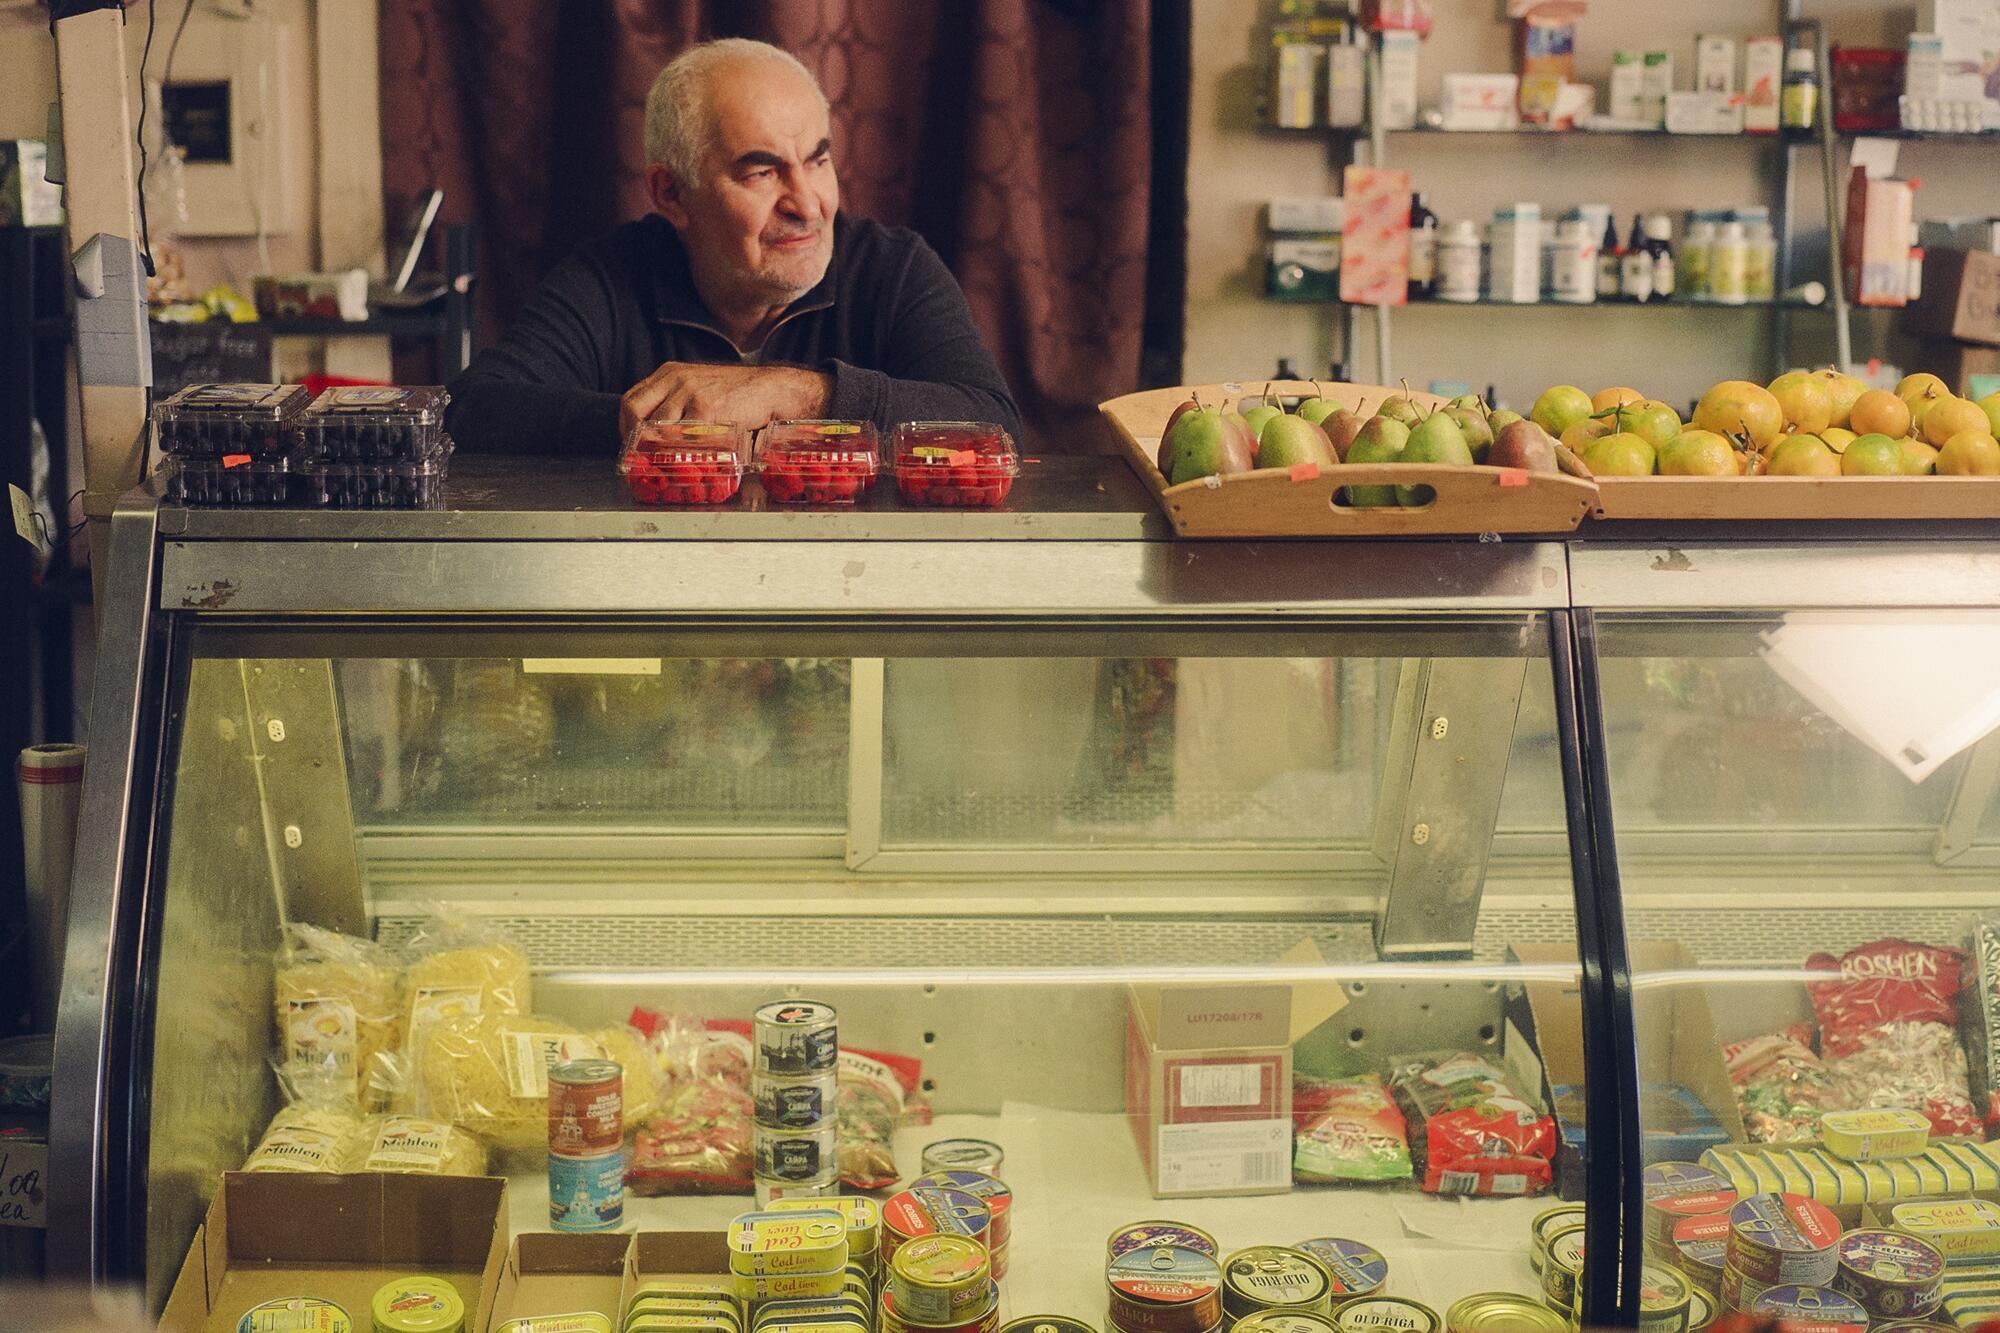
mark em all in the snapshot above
pixel 1341 426
pixel 1288 441
pixel 1476 429
pixel 1524 445
pixel 1166 460
pixel 1207 442
pixel 1381 440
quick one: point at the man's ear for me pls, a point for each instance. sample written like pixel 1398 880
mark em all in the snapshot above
pixel 663 188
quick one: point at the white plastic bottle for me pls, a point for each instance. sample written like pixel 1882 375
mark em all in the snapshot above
pixel 1760 268
pixel 1691 267
pixel 1728 266
pixel 1458 267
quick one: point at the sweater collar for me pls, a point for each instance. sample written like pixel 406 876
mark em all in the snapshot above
pixel 677 301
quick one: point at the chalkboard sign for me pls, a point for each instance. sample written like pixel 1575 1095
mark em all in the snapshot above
pixel 213 353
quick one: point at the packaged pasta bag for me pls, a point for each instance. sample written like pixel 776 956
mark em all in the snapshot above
pixel 315 1129
pixel 409 1145
pixel 460 968
pixel 337 1002
pixel 1347 1130
pixel 489 1073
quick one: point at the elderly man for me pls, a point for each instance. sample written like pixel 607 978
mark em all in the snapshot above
pixel 746 296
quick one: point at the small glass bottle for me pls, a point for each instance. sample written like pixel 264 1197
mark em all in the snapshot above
pixel 1635 266
pixel 1609 253
pixel 1660 246
pixel 1423 250
pixel 1799 102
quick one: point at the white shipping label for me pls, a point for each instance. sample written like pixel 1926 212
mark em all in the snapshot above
pixel 1241 1155
pixel 531 1055
pixel 1222 1085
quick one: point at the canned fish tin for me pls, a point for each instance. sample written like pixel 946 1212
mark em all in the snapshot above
pixel 1386 1314
pixel 1062 1323
pixel 1546 1224
pixel 1914 1326
pixel 765 1244
pixel 1284 1321
pixel 295 1314
pixel 1873 1136
pixel 418 1304
pixel 654 1320
pixel 755 1290
pixel 1164 1289
pixel 926 1210
pixel 717 1314
pixel 1889 1274
pixel 796 1037
pixel 1783 1240
pixel 984 1319
pixel 1816 1304
pixel 938 1280
pixel 1701 1249
pixel 862 1215
pixel 586 1108
pixel 796 1156
pixel 842 1320
pixel 1136 1234
pixel 1739 1293
pixel 1674 1190
pixel 717 1292
pixel 1663 1300
pixel 1562 1272
pixel 582 1321
pixel 992 1190
pixel 769 1191
pixel 1701 1310
pixel 1502 1312
pixel 1271 1277
pixel 796 1103
pixel 587 1193
pixel 859 1283
pixel 962 1155
pixel 1961 1229
pixel 1355 1269
pixel 845 1304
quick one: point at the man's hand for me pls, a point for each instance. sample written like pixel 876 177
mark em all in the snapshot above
pixel 749 396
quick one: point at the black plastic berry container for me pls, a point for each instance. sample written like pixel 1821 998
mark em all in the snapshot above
pixel 413 484
pixel 235 480
pixel 227 420
pixel 368 423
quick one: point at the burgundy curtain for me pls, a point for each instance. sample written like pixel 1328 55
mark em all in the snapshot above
pixel 1013 134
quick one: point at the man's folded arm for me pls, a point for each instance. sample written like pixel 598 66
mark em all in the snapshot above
pixel 542 389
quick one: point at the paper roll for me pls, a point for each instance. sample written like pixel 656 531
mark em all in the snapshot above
pixel 51 781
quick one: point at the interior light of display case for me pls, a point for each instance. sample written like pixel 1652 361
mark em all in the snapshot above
pixel 590 666
pixel 1916 687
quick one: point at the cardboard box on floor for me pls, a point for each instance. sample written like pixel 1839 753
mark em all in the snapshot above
pixel 676 1256
pixel 550 1273
pixel 1675 1031
pixel 1208 1079
pixel 269 1236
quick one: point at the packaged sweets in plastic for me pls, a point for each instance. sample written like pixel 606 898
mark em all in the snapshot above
pixel 1913 1066
pixel 370 423
pixel 1981 1001
pixel 1888 1014
pixel 337 1001
pixel 489 1072
pixel 1474 1134
pixel 683 462
pixel 414 1146
pixel 878 1093
pixel 1347 1129
pixel 220 420
pixel 697 1142
pixel 1782 1088
pixel 461 968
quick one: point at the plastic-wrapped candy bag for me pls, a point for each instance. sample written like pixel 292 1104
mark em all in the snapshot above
pixel 1888 1021
pixel 1782 1088
pixel 1477 1135
pixel 1347 1130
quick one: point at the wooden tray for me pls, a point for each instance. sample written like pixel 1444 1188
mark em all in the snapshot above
pixel 1271 502
pixel 1807 498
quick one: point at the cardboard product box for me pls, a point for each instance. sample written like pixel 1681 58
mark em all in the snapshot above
pixel 1687 1096
pixel 27 199
pixel 269 1236
pixel 1704 113
pixel 1628 85
pixel 1972 371
pixel 1480 101
pixel 1399 80
pixel 1656 81
pixel 551 1273
pixel 1375 241
pixel 1714 64
pixel 1876 242
pixel 1763 83
pixel 1961 297
pixel 1968 33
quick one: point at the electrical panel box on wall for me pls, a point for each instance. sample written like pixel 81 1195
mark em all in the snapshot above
pixel 231 91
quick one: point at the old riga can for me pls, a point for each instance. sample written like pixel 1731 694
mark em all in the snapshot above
pixel 1164 1289
pixel 586 1108
pixel 1134 1235
pixel 1285 1321
pixel 796 1037
pixel 1562 1270
pixel 1502 1312
pixel 1356 1269
pixel 1386 1314
pixel 1546 1224
pixel 1783 1240
pixel 926 1210
pixel 1664 1298
pixel 1891 1275
pixel 1270 1277
pixel 938 1281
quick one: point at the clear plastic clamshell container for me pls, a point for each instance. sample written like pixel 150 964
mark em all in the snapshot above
pixel 223 420
pixel 367 423
pixel 818 462
pixel 683 462
pixel 957 463
pixel 415 483
pixel 27 1066
pixel 234 479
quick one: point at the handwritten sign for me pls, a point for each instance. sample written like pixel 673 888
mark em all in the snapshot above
pixel 213 353
pixel 24 1174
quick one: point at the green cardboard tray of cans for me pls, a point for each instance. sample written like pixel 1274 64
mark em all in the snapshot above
pixel 353 447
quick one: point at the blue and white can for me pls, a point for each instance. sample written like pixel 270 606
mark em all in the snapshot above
pixel 587 1193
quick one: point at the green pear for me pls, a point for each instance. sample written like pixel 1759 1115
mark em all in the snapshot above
pixel 1471 400
pixel 1478 431
pixel 1399 408
pixel 1502 419
pixel 1289 441
pixel 1382 440
pixel 1260 416
pixel 1317 410
pixel 1435 439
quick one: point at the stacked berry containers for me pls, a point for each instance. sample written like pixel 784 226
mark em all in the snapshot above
pixel 374 447
pixel 817 462
pixel 965 464
pixel 229 444
pixel 795 1090
pixel 683 462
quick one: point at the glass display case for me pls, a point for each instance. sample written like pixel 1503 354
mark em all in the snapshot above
pixel 1265 890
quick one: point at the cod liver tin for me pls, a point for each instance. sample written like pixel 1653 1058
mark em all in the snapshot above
pixel 1164 1289
pixel 581 1321
pixel 1356 1269
pixel 1783 1240
pixel 1136 1234
pixel 796 1037
pixel 1271 1277
pixel 1890 1274
pixel 1502 1312
pixel 791 1286
pixel 1961 1229
pixel 1874 1136
pixel 768 1244
pixel 862 1215
pixel 1386 1314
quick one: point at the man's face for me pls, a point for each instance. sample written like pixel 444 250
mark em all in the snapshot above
pixel 758 224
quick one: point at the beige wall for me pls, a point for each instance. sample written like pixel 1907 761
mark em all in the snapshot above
pixel 1234 332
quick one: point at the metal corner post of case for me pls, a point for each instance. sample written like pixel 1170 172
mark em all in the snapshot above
pixel 1612 1167
pixel 101 899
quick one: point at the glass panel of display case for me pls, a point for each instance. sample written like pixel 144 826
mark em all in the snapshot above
pixel 1815 958
pixel 1371 1052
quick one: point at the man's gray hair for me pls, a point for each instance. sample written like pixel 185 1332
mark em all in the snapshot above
pixel 680 114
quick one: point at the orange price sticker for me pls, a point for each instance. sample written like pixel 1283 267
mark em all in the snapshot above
pixel 964 457
pixel 1304 471
pixel 235 460
pixel 1513 476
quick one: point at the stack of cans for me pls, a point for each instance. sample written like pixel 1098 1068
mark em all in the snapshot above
pixel 940 1284
pixel 792 1255
pixel 795 1087
pixel 1162 1277
pixel 681 1307
pixel 999 1201
pixel 1784 1244
pixel 587 1145
pixel 864 1230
